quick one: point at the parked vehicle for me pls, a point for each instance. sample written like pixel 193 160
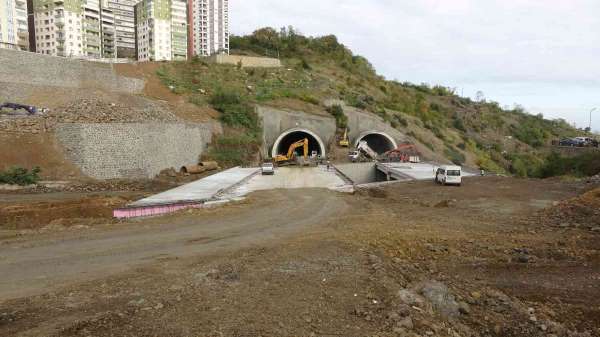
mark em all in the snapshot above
pixel 587 141
pixel 267 168
pixel 449 175
pixel 570 142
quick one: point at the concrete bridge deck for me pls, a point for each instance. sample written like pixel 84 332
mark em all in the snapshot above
pixel 411 171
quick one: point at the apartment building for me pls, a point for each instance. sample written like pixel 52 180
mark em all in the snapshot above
pixel 208 27
pixel 73 28
pixel 14 32
pixel 161 30
pixel 124 23
pixel 179 29
pixel 58 26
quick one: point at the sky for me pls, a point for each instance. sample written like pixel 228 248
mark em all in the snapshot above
pixel 541 54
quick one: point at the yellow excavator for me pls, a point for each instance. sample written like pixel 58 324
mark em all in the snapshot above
pixel 344 142
pixel 291 154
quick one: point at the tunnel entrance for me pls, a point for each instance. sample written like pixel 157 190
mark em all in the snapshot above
pixel 283 143
pixel 378 141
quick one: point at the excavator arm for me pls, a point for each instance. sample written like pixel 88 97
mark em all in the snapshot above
pixel 290 154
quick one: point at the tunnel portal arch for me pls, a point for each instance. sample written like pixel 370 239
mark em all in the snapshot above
pixel 379 141
pixel 287 138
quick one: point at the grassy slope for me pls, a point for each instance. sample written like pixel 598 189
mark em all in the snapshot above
pixel 478 134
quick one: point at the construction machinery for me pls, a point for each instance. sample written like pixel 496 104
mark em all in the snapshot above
pixel 31 110
pixel 406 152
pixel 291 154
pixel 344 142
pixel 363 152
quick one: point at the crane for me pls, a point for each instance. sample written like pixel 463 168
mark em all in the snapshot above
pixel 290 154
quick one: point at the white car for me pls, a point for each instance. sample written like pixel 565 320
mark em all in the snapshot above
pixel 267 168
pixel 449 175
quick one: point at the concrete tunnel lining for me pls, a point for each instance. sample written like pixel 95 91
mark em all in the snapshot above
pixel 391 142
pixel 275 150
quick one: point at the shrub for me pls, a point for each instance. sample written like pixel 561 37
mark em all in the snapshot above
pixel 341 120
pixel 526 165
pixel 234 150
pixel 454 155
pixel 401 120
pixel 20 176
pixel 309 99
pixel 586 164
pixel 222 98
pixel 305 64
pixel 459 124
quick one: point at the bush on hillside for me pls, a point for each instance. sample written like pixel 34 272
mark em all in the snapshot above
pixel 586 164
pixel 341 120
pixel 458 124
pixel 236 112
pixel 454 155
pixel 234 150
pixel 20 176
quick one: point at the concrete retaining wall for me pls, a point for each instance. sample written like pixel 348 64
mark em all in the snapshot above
pixel 133 151
pixel 360 121
pixel 18 67
pixel 247 61
pixel 359 173
pixel 277 121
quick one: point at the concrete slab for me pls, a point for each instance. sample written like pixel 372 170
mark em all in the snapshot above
pixel 201 190
pixel 417 171
pixel 291 178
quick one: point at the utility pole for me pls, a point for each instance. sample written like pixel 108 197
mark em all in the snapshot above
pixel 594 109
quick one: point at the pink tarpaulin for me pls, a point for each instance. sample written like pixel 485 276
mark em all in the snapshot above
pixel 136 212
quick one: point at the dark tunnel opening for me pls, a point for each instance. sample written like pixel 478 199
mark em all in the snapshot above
pixel 291 138
pixel 379 143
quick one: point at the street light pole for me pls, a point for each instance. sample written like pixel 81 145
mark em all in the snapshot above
pixel 594 109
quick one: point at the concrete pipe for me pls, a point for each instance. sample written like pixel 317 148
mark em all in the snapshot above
pixel 192 169
pixel 209 165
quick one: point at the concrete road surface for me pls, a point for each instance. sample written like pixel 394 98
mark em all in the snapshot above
pixel 291 178
pixel 34 265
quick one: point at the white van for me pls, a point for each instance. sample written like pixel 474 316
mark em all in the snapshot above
pixel 449 175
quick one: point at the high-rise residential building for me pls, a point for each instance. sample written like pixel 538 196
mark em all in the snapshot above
pixel 161 30
pixel 208 30
pixel 14 33
pixel 74 28
pixel 58 27
pixel 92 29
pixel 124 22
pixel 108 31
pixel 179 29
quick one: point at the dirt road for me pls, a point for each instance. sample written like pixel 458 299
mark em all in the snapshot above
pixel 34 265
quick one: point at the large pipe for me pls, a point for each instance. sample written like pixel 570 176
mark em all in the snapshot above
pixel 192 169
pixel 209 165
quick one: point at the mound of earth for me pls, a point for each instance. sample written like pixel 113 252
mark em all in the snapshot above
pixel 581 211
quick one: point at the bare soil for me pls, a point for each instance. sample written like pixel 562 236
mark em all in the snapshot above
pixel 42 150
pixel 408 259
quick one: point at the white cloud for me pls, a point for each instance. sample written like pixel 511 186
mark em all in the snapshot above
pixel 541 53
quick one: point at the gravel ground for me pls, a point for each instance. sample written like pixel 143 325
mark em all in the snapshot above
pixel 411 259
